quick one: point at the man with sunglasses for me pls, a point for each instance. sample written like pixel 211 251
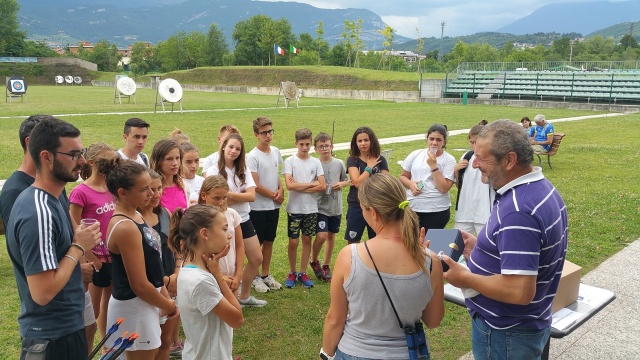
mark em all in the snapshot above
pixel 45 250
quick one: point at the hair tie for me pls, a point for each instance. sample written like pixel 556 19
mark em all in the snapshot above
pixel 403 204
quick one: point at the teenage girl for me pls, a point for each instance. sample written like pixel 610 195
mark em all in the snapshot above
pixel 214 192
pixel 210 311
pixel 242 191
pixel 166 161
pixel 139 294
pixel 92 200
pixel 190 168
pixel 364 160
pixel 179 137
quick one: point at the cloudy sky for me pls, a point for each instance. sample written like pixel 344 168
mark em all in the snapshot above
pixel 462 17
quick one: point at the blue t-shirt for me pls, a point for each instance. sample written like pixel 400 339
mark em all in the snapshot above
pixel 543 133
pixel 526 234
pixel 39 234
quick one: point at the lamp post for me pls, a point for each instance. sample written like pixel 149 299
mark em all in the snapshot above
pixel 442 24
pixel 571 43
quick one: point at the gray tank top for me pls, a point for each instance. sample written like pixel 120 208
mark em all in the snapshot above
pixel 372 329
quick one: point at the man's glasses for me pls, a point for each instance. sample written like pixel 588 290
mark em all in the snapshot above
pixel 74 155
pixel 267 132
pixel 323 147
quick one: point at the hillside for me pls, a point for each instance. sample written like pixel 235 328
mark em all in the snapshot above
pixel 618 30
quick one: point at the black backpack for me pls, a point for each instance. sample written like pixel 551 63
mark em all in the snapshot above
pixel 467 156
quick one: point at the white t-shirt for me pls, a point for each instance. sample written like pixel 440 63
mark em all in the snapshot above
pixel 138 159
pixel 303 171
pixel 194 186
pixel 266 166
pixel 476 198
pixel 235 186
pixel 207 336
pixel 228 263
pixel 430 198
pixel 209 161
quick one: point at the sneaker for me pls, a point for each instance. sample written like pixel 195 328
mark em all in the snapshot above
pixel 291 280
pixel 326 273
pixel 272 283
pixel 259 285
pixel 315 265
pixel 303 279
pixel 252 302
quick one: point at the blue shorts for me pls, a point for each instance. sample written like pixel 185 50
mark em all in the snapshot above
pixel 305 223
pixel 356 225
pixel 329 223
pixel 266 223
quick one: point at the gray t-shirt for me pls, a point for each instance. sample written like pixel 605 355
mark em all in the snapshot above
pixel 39 234
pixel 303 171
pixel 266 166
pixel 330 204
pixel 372 329
pixel 208 337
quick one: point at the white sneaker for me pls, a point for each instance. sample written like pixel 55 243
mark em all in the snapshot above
pixel 272 283
pixel 259 285
pixel 252 302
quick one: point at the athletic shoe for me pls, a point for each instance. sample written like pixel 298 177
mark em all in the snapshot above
pixel 326 273
pixel 291 280
pixel 272 283
pixel 303 279
pixel 252 302
pixel 315 265
pixel 259 285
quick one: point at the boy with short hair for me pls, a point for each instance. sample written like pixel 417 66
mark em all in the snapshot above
pixel 329 206
pixel 212 160
pixel 135 136
pixel 304 177
pixel 263 161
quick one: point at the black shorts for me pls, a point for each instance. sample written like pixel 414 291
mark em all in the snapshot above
pixel 434 220
pixel 356 225
pixel 72 346
pixel 305 223
pixel 102 278
pixel 329 223
pixel 266 223
pixel 247 229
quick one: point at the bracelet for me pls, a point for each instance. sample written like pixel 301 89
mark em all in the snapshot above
pixel 79 247
pixel 368 169
pixel 72 258
pixel 94 268
pixel 434 170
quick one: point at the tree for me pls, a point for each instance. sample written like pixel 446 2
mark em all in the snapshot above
pixel 387 32
pixel 352 42
pixel 627 41
pixel 321 44
pixel 182 51
pixel 143 58
pixel 105 55
pixel 37 49
pixel 254 39
pixel 419 47
pixel 216 46
pixel 11 39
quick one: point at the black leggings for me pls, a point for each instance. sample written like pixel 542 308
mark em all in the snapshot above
pixel 434 220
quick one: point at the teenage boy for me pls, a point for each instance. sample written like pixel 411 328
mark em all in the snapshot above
pixel 264 161
pixel 303 177
pixel 212 159
pixel 135 136
pixel 329 206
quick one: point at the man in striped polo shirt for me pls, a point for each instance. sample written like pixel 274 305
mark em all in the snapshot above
pixel 516 262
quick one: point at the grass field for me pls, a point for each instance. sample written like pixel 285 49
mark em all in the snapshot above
pixel 596 170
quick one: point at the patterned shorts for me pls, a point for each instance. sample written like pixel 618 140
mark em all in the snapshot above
pixel 301 222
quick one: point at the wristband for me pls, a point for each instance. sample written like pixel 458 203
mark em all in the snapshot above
pixel 434 170
pixel 94 268
pixel 79 247
pixel 368 169
pixel 325 356
pixel 72 258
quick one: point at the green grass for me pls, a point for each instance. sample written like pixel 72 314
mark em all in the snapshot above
pixel 596 170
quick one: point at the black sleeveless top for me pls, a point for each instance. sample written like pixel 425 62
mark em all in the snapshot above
pixel 152 263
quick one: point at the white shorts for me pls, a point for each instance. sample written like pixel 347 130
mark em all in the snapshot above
pixel 139 317
pixel 89 316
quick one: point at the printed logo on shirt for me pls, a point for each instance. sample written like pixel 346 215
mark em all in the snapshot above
pixel 106 208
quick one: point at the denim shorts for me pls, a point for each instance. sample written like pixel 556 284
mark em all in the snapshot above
pixel 513 343
pixel 342 356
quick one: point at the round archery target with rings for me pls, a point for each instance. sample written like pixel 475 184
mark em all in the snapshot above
pixel 17 85
pixel 59 79
pixel 77 80
pixel 170 90
pixel 126 86
pixel 68 79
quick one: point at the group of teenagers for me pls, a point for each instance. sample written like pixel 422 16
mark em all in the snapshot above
pixel 169 246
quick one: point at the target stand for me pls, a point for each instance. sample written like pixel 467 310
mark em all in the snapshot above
pixel 16 88
pixel 289 91
pixel 168 91
pixel 125 88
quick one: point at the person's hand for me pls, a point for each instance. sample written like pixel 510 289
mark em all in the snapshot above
pixel 456 275
pixel 87 237
pixel 171 311
pixel 373 161
pixel 87 272
pixel 426 243
pixel 469 244
pixel 173 285
pixel 278 196
pixel 235 283
pixel 415 191
pixel 461 165
pixel 431 159
pixel 213 262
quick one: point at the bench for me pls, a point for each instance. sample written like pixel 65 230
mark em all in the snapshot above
pixel 557 138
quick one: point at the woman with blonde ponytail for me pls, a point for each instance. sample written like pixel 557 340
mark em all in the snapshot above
pixel 411 273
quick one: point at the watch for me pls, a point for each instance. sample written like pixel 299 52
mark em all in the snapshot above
pixel 325 356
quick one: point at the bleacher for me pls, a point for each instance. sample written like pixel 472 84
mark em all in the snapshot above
pixel 560 83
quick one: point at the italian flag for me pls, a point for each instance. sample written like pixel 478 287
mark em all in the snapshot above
pixel 293 50
pixel 278 50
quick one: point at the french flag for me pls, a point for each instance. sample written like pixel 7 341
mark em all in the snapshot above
pixel 278 50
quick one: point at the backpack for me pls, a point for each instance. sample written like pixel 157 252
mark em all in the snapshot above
pixel 467 156
pixel 145 159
